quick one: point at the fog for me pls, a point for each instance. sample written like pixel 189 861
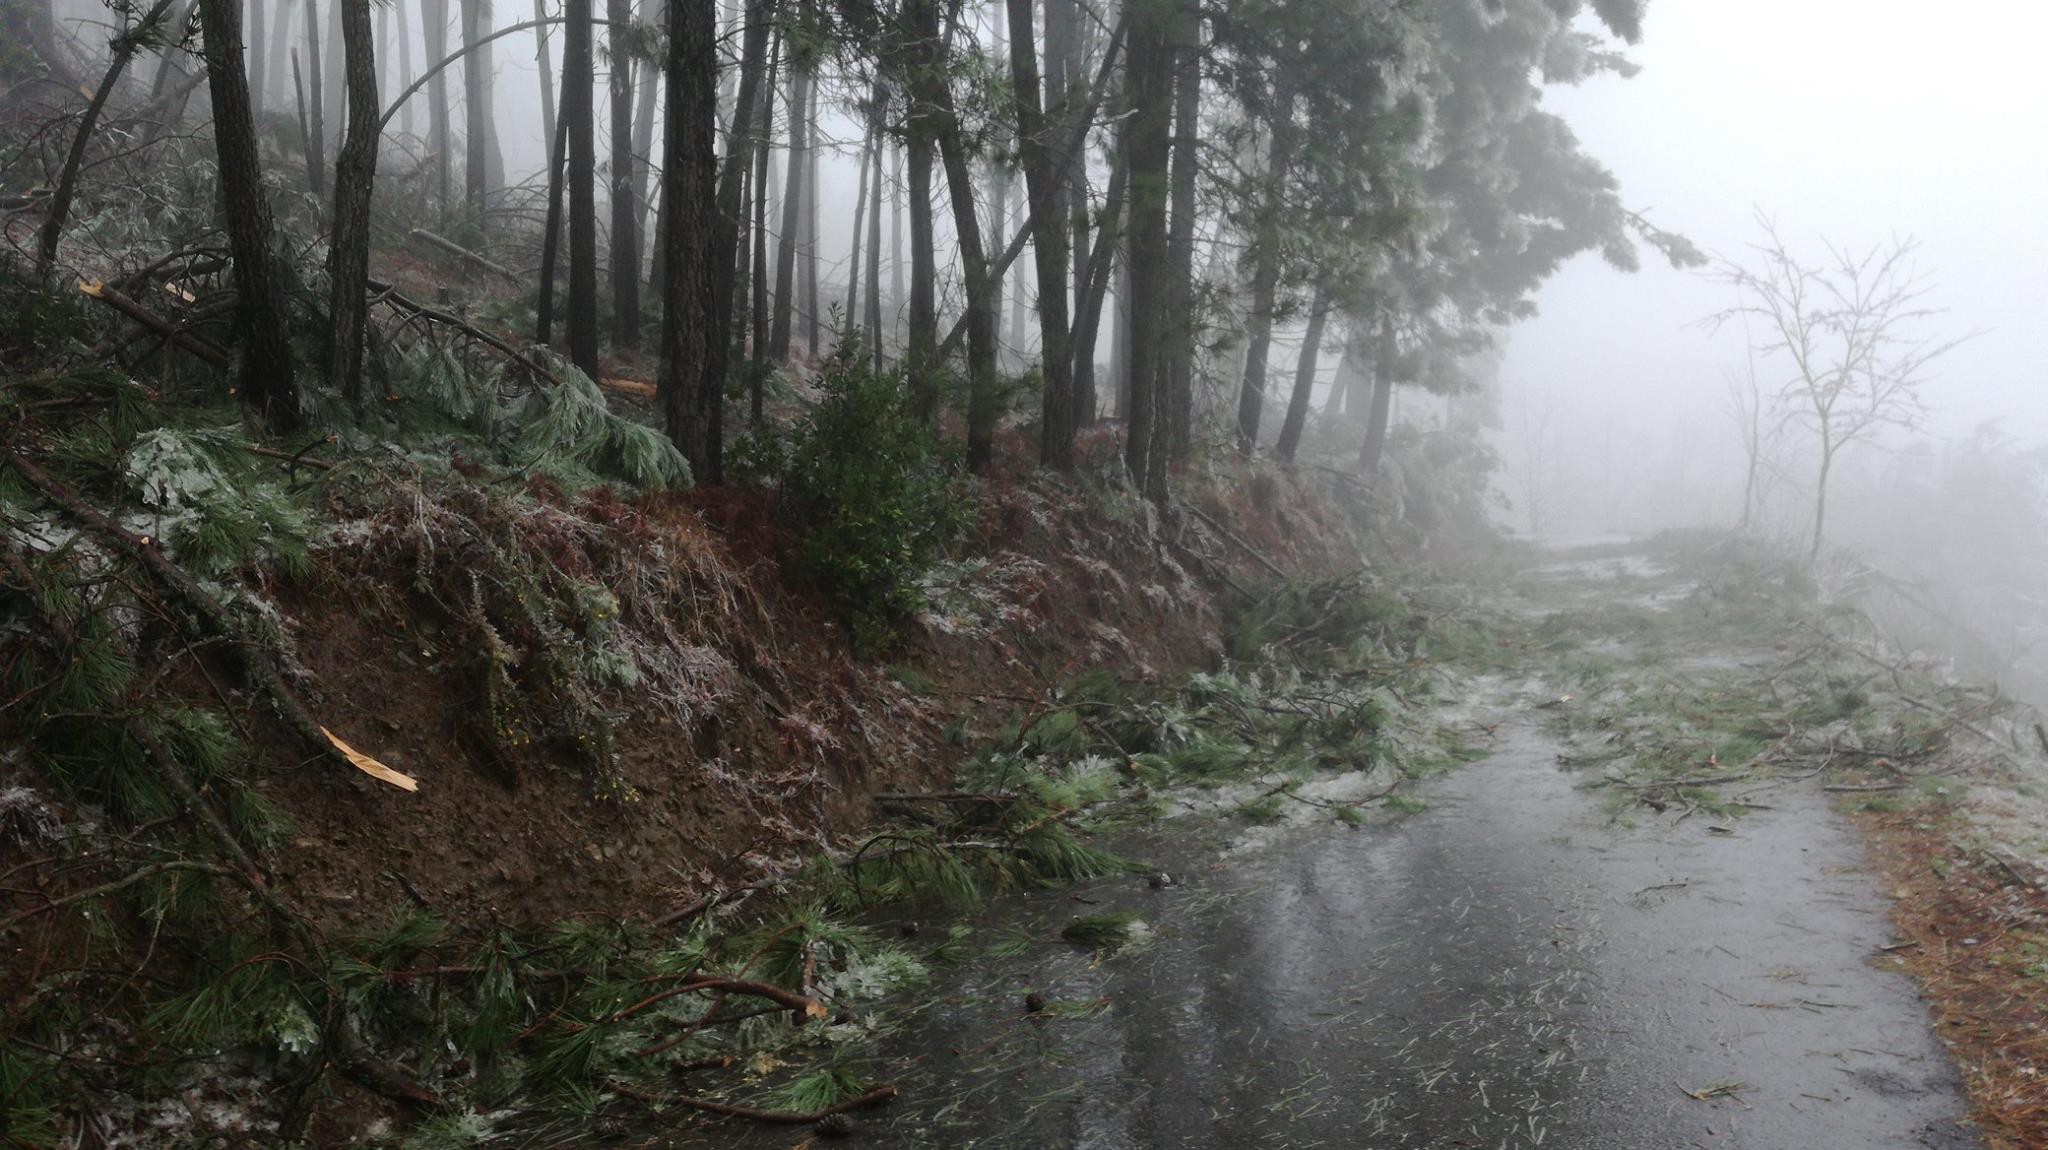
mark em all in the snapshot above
pixel 1856 121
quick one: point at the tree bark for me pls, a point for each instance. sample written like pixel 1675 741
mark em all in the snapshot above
pixel 331 66
pixel 643 131
pixel 744 136
pixel 434 21
pixel 625 253
pixel 874 316
pixel 269 380
pixel 348 259
pixel 852 315
pixel 476 107
pixel 1304 377
pixel 1382 400
pixel 764 186
pixel 792 208
pixel 579 107
pixel 1251 395
pixel 546 65
pixel 810 256
pixel 551 236
pixel 896 244
pixel 316 126
pixel 692 354
pixel 1180 239
pixel 1150 76
pixel 1045 190
pixel 1092 291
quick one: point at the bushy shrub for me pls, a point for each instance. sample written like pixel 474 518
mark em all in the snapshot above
pixel 872 494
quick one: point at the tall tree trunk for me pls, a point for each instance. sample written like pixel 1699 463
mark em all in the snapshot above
pixel 1150 77
pixel 348 257
pixel 1000 176
pixel 1044 188
pixel 404 65
pixel 932 103
pixel 692 352
pixel 279 54
pixel 487 69
pixel 123 50
pixel 625 211
pixel 259 60
pixel 579 107
pixel 1304 377
pixel 852 316
pixel 269 380
pixel 921 361
pixel 546 65
pixel 895 244
pixel 654 12
pixel 1382 400
pixel 316 127
pixel 1066 61
pixel 764 186
pixel 434 22
pixel 551 235
pixel 744 137
pixel 1180 238
pixel 1092 289
pixel 810 268
pixel 792 207
pixel 476 164
pixel 874 317
pixel 1251 395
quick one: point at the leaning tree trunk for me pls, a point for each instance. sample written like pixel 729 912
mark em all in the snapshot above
pixel 1043 189
pixel 851 316
pixel 792 209
pixel 434 20
pixel 1382 400
pixel 625 214
pixel 692 354
pixel 1180 237
pixel 579 107
pixel 1251 395
pixel 1150 77
pixel 269 380
pixel 124 48
pixel 348 256
pixel 981 294
pixel 1304 377
pixel 810 257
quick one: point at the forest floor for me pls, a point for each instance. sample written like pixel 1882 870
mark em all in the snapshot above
pixel 1682 900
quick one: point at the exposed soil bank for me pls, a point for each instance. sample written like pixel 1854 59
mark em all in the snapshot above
pixel 1509 968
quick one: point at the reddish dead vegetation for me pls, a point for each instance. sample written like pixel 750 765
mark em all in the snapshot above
pixel 1975 937
pixel 791 734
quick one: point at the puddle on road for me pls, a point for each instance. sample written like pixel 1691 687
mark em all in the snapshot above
pixel 1503 970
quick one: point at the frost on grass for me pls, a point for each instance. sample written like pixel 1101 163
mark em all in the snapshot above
pixel 974 598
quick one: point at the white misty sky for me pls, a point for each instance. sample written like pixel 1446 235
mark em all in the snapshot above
pixel 1856 119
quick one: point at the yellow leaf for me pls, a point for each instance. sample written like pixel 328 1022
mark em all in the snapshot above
pixel 94 289
pixel 370 766
pixel 816 1009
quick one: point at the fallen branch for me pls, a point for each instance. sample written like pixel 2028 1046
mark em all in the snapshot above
pixel 1230 535
pixel 149 319
pixel 455 249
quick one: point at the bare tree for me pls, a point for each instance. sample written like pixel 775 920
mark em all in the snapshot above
pixel 625 240
pixel 700 255
pixel 1852 332
pixel 579 106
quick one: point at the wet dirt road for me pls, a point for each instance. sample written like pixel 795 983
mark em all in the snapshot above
pixel 1505 969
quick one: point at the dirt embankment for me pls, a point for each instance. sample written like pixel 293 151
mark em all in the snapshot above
pixel 734 733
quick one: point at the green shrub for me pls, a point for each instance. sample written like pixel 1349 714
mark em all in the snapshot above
pixel 872 494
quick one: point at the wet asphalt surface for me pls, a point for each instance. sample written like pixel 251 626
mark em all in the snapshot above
pixel 1505 969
